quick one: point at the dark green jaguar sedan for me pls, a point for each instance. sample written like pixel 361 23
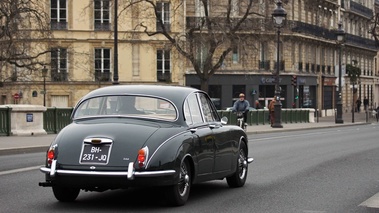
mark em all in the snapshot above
pixel 145 135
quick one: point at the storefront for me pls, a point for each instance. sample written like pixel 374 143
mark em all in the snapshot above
pixel 225 88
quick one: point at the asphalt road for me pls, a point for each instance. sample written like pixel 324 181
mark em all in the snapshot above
pixel 309 171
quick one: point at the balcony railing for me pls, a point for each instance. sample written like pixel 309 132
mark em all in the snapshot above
pixel 58 25
pixel 264 65
pixel 360 41
pixel 221 23
pixel 163 77
pixel 310 29
pixel 360 9
pixel 307 67
pixel 102 76
pixel 102 26
pixel 300 66
pixel 167 26
pixel 259 25
pixel 59 76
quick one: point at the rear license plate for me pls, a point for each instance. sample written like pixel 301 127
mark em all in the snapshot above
pixel 95 154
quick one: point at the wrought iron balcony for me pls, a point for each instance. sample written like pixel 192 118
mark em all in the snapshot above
pixel 102 76
pixel 102 26
pixel 259 24
pixel 58 76
pixel 360 41
pixel 360 9
pixel 300 66
pixel 310 29
pixel 249 24
pixel 167 26
pixel 264 65
pixel 307 67
pixel 163 77
pixel 58 25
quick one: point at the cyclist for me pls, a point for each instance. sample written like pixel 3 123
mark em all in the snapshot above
pixel 241 105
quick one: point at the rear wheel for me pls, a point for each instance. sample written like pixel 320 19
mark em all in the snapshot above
pixel 65 194
pixel 177 195
pixel 238 179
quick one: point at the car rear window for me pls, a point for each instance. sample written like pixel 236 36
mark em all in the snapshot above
pixel 127 105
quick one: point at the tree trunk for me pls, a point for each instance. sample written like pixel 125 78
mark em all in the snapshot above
pixel 204 85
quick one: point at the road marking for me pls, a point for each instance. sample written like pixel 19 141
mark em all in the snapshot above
pixel 19 170
pixel 298 135
pixel 372 202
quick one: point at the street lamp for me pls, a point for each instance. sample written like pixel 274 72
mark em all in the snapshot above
pixel 340 39
pixel 353 78
pixel 44 75
pixel 279 18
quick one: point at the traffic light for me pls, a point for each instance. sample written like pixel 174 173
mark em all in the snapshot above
pixel 294 80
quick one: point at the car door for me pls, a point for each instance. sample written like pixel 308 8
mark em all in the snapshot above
pixel 223 146
pixel 202 133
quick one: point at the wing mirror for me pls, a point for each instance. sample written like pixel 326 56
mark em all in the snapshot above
pixel 224 120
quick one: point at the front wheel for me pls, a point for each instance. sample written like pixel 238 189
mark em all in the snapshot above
pixel 177 195
pixel 64 194
pixel 238 179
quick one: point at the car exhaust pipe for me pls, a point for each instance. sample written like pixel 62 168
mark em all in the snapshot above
pixel 45 184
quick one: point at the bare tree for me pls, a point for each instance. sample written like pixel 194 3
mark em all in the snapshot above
pixel 213 30
pixel 24 30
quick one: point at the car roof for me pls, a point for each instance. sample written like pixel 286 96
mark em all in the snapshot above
pixel 176 94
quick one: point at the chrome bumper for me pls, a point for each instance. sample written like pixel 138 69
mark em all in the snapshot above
pixel 130 174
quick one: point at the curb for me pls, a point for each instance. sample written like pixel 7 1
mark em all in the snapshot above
pixel 23 150
pixel 273 130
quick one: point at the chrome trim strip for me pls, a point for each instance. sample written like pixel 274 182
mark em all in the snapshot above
pixel 164 142
pixel 130 171
pixel 103 140
pixel 104 173
pixel 53 168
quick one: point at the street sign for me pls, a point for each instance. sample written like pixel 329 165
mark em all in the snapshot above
pixel 16 96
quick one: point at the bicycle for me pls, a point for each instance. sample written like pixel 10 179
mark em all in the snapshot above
pixel 240 120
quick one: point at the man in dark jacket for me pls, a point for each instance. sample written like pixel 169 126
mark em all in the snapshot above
pixel 241 105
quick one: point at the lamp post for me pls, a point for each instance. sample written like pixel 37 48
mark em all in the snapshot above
pixel 279 17
pixel 340 39
pixel 353 77
pixel 44 75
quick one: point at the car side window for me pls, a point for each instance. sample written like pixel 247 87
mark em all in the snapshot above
pixel 192 111
pixel 207 109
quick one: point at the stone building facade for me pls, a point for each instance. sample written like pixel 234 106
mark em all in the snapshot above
pixel 309 53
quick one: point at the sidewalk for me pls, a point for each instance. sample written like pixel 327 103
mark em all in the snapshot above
pixel 23 144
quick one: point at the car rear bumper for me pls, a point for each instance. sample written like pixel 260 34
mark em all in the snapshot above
pixel 129 174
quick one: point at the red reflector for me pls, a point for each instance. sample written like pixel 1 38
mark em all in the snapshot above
pixel 141 158
pixel 141 155
pixel 50 155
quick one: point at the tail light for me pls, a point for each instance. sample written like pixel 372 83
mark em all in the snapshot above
pixel 142 156
pixel 50 155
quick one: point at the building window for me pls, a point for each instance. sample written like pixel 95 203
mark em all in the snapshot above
pixel 163 66
pixel 58 13
pixel 163 14
pixel 235 57
pixel 264 63
pixel 102 14
pixel 59 64
pixel 102 64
